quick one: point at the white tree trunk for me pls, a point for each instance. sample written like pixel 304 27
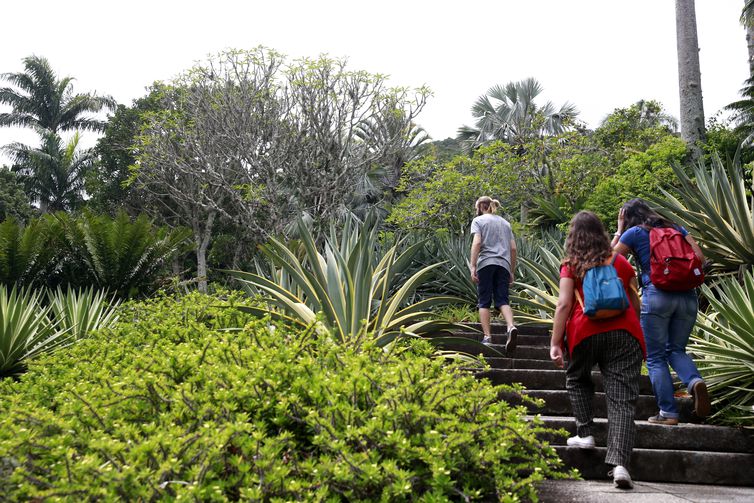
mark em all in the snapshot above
pixel 202 239
pixel 689 76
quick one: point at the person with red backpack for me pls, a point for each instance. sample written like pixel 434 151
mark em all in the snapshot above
pixel 671 268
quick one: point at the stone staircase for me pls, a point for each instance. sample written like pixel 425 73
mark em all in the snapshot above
pixel 691 452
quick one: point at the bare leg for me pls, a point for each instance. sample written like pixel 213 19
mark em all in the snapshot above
pixel 484 319
pixel 507 313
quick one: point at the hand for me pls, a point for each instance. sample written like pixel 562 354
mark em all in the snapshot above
pixel 556 355
pixel 474 277
pixel 621 220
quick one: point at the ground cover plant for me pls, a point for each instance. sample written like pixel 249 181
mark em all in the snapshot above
pixel 170 405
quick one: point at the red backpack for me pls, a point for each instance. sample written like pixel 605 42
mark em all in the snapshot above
pixel 673 264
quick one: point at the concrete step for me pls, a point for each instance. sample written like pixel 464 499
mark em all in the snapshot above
pixel 600 491
pixel 519 363
pixel 543 379
pixel 683 436
pixel 661 465
pixel 558 404
pixel 522 340
pixel 499 328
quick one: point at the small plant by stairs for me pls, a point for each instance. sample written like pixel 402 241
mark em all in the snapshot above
pixel 690 452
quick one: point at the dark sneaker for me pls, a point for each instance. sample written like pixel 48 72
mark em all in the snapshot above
pixel 701 399
pixel 510 344
pixel 660 419
pixel 621 477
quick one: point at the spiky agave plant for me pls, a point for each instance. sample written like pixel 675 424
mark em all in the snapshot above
pixel 350 287
pixel 536 293
pixel 724 344
pixel 25 329
pixel 717 208
pixel 79 312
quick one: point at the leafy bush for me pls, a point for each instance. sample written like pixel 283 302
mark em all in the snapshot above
pixel 642 174
pixel 169 406
pixel 725 343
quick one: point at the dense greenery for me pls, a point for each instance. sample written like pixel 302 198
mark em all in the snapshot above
pixel 127 256
pixel 169 405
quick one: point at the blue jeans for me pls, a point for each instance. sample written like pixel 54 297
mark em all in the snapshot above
pixel 667 319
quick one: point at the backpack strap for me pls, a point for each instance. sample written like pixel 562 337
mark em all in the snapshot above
pixel 615 256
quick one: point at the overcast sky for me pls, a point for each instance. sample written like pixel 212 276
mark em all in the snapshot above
pixel 597 54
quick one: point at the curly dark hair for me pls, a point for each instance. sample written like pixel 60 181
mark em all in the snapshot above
pixel 587 244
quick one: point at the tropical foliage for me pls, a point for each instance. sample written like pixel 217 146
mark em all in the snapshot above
pixel 716 207
pixel 40 100
pixel 54 173
pixel 77 313
pixel 724 342
pixel 32 323
pixel 26 254
pixel 119 254
pixel 170 406
pixel 355 289
pixel 509 113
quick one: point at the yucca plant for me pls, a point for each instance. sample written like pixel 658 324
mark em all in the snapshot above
pixel 79 312
pixel 118 254
pixel 25 329
pixel 724 342
pixel 350 288
pixel 718 209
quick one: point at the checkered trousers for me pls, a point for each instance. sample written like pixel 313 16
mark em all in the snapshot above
pixel 619 357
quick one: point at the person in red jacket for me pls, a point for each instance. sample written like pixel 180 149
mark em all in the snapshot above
pixel 615 344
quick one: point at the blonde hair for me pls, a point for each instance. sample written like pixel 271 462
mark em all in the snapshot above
pixel 484 203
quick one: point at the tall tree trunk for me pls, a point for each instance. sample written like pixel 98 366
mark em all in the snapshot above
pixel 689 76
pixel 202 237
pixel 750 46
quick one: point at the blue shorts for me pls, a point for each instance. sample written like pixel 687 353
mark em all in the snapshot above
pixel 493 281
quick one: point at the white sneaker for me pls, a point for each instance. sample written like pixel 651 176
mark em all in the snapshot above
pixel 621 478
pixel 582 443
pixel 487 340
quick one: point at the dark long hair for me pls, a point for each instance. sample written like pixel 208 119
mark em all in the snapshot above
pixel 638 212
pixel 587 244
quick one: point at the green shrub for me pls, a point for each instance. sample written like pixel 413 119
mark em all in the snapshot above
pixel 171 406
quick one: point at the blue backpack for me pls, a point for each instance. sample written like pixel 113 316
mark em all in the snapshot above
pixel 604 295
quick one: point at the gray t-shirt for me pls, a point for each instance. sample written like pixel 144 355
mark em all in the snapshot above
pixel 496 235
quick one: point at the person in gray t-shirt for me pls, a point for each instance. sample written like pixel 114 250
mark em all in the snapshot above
pixel 493 265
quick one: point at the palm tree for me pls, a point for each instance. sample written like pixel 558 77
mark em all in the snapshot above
pixel 743 112
pixel 747 19
pixel 689 77
pixel 509 113
pixel 40 100
pixel 54 172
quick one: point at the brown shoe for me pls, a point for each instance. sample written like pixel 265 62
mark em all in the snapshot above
pixel 701 399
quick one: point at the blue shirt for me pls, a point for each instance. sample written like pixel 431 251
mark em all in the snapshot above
pixel 637 239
